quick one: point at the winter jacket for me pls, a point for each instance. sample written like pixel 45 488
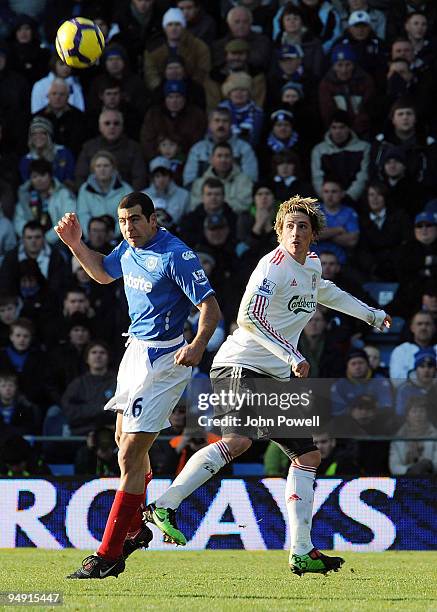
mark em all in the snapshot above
pixel 369 53
pixel 200 153
pixel 41 88
pixel 191 229
pixel 69 127
pixel 349 162
pixel 60 201
pixel 92 202
pixel 63 164
pixel 176 201
pixel 352 96
pixel 194 52
pixel 8 239
pixel 399 450
pixel 259 53
pixel 402 361
pixel 127 152
pixel 411 388
pixel 188 125
pixel 238 189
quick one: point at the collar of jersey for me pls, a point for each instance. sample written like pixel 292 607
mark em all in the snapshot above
pixel 157 237
pixel 287 254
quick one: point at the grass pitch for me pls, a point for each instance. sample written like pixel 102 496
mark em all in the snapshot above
pixel 228 581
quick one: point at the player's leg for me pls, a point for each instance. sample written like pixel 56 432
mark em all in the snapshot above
pixel 109 560
pixel 202 466
pixel 299 499
pixel 139 535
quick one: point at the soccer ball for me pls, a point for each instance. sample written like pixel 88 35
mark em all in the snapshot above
pixel 79 42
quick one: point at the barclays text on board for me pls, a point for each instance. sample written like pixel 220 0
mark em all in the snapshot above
pixel 359 514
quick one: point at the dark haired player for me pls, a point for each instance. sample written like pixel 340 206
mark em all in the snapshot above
pixel 162 279
pixel 281 297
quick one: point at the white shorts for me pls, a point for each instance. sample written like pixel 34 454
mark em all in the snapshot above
pixel 149 385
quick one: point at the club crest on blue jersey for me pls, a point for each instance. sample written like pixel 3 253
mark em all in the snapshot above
pixel 267 286
pixel 151 263
pixel 200 277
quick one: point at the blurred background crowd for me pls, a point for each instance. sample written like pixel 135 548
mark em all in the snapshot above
pixel 219 111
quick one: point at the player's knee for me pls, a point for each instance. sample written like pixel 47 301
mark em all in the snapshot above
pixel 237 445
pixel 130 456
pixel 311 459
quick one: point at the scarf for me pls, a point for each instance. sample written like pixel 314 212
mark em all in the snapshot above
pixel 277 145
pixel 243 117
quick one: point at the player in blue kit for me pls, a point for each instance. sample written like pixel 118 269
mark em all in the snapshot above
pixel 162 279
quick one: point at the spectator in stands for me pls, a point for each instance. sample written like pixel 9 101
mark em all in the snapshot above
pixel 421 381
pixel 374 355
pixel 255 231
pixel 419 149
pixel 403 81
pixel 282 137
pixel 341 154
pixel 27 55
pixel 164 191
pixel 382 230
pixel 43 198
pixel 198 22
pixel 236 60
pixel 14 99
pixel 286 65
pixel 86 395
pixel 399 11
pixel 33 246
pixel 416 28
pixel 247 117
pixel 335 461
pixel 99 456
pixel 213 201
pixel 126 151
pixel 110 95
pixel 346 86
pixel 402 358
pixel 239 21
pixel 219 130
pixel 102 191
pixel 293 31
pixel 15 409
pixel 68 122
pixel 41 88
pixel 429 298
pixel 41 146
pixel 359 381
pixel 368 48
pixel 19 460
pixel 194 51
pixel 169 147
pixel 415 457
pixel 305 112
pixel 342 231
pixel 174 115
pixel 417 258
pixel 116 66
pixel 140 27
pixel 9 310
pixel 286 173
pixel 99 235
pixel 8 239
pixel 320 349
pixel 9 175
pixel 66 360
pixel 26 361
pixel 237 186
pixel 377 17
pixel 175 71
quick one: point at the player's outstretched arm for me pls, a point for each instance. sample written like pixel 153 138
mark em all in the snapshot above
pixel 191 354
pixel 70 232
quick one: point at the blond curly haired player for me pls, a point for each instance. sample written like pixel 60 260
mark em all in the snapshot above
pixel 281 297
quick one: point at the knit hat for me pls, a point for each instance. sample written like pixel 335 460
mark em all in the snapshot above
pixel 116 50
pixel 357 352
pixel 237 80
pixel 422 355
pixel 173 15
pixel 290 52
pixel 175 86
pixel 340 116
pixel 394 153
pixel 293 85
pixel 425 217
pixel 160 163
pixel 343 52
pixel 215 221
pixel 281 115
pixel 237 45
pixel 358 17
pixel 78 319
pixel 40 123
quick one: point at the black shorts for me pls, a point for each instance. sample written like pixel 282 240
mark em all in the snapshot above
pixel 238 378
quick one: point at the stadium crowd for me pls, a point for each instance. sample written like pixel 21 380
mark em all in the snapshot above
pixel 219 111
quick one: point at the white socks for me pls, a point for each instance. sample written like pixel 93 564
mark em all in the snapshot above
pixel 299 497
pixel 199 468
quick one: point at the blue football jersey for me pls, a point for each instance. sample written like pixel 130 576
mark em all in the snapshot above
pixel 161 281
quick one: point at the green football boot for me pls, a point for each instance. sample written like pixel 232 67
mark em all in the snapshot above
pixel 165 520
pixel 315 563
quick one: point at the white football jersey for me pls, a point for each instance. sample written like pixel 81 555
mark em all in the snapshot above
pixel 280 298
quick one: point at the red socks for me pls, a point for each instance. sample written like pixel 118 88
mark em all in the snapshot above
pixel 137 521
pixel 125 515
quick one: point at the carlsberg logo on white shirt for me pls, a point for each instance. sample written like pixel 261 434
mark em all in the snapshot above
pixel 137 282
pixel 302 303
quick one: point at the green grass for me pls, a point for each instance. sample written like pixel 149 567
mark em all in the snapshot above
pixel 229 580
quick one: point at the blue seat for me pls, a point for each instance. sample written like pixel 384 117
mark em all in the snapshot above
pixel 383 293
pixel 248 469
pixel 62 469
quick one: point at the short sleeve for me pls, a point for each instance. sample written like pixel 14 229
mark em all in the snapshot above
pixel 352 224
pixel 186 271
pixel 112 262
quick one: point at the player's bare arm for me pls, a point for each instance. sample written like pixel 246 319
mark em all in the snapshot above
pixel 191 354
pixel 70 232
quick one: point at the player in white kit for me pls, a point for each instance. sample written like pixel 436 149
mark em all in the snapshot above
pixel 281 297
